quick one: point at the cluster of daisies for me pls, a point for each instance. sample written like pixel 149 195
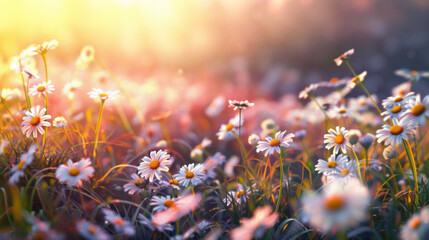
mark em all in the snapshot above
pixel 172 193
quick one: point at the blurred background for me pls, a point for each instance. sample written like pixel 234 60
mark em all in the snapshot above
pixel 268 47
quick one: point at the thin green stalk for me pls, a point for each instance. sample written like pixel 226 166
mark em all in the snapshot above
pixel 362 86
pixel 358 165
pixel 46 106
pixel 97 129
pixel 412 163
pixel 281 184
pixel 27 98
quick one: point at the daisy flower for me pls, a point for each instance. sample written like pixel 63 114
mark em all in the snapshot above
pixel 42 230
pixel 91 231
pixel 75 173
pixel 337 207
pixel 337 139
pixel 230 165
pixel 253 139
pixel 182 207
pixel 256 226
pixel 30 75
pixel 190 173
pixel 240 104
pixel 136 185
pixel 153 225
pixel 71 87
pixel 395 112
pixel 402 101
pixel 345 56
pixel 153 166
pixel 215 107
pixel 212 163
pixel 419 111
pixel 238 196
pixel 339 112
pixel 162 203
pixel 332 165
pixel 393 135
pixel 10 94
pixel 43 48
pixel 367 140
pixel 59 122
pixel 121 226
pixel 35 121
pixel 42 89
pixel 401 89
pixel 412 75
pixel 345 175
pixel 417 226
pixel 268 126
pixel 271 145
pixel 304 93
pixel 228 131
pixel 358 79
pixel 86 57
pixel 361 103
pixel 102 95
pixel 26 159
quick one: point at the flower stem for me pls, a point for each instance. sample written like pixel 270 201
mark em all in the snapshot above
pixel 45 134
pixel 358 165
pixel 362 86
pixel 8 110
pixel 412 163
pixel 281 184
pixel 97 129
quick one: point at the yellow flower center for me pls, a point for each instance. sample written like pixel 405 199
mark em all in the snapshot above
pixel 415 223
pixel 103 95
pixel 339 139
pixel 74 172
pixel 344 172
pixel 229 127
pixel 174 182
pixel 402 92
pixel 396 130
pixel 139 182
pixel 21 164
pixel 274 142
pixel 396 109
pixel 35 121
pixel 154 164
pixel 356 80
pixel 92 230
pixel 189 175
pixel 334 203
pixel 332 164
pixel 398 99
pixel 41 88
pixel 239 194
pixel 342 111
pixel 418 109
pixel 414 73
pixel 334 80
pixel 168 203
pixel 118 221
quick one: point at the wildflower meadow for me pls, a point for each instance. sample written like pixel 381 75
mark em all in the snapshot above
pixel 95 147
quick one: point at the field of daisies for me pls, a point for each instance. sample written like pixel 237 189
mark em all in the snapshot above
pixel 328 166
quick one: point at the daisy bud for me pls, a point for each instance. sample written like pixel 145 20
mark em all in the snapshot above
pixel 254 139
pixel 268 125
pixel 354 136
pixel 300 134
pixel 367 140
pixel 197 154
pixel 390 153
